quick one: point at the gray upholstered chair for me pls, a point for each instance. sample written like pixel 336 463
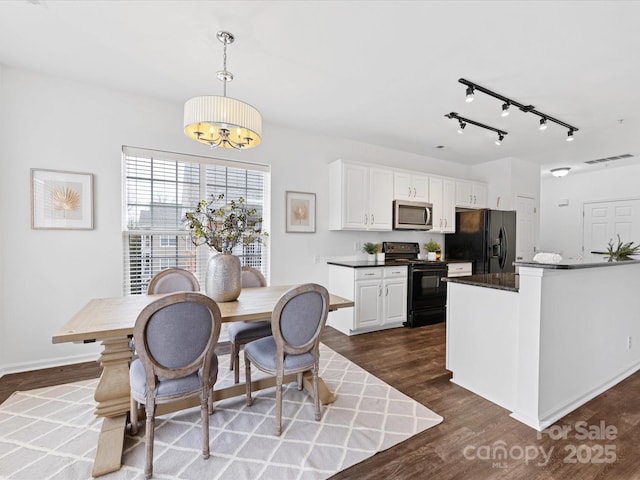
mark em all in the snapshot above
pixel 241 333
pixel 172 280
pixel 175 338
pixel 298 319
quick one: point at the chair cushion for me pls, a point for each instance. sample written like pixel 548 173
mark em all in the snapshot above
pixel 263 354
pixel 167 387
pixel 239 331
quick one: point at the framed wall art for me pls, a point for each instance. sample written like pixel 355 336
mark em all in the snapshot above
pixel 301 212
pixel 61 200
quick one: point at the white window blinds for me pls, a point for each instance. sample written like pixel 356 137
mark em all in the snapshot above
pixel 159 188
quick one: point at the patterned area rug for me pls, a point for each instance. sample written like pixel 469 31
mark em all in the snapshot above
pixel 51 433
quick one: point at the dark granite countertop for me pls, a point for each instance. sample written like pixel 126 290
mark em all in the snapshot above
pixel 568 264
pixel 499 281
pixel 386 263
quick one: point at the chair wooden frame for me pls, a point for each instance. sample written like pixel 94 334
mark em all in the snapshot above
pixel 283 348
pixel 158 277
pixel 153 370
pixel 234 360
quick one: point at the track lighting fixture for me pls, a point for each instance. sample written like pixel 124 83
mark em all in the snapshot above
pixel 560 172
pixel 462 121
pixel 472 87
pixel 470 93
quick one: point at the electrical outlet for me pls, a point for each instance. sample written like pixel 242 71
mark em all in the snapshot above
pixel 356 246
pixel 629 342
pixel 316 259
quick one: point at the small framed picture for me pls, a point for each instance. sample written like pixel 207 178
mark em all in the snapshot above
pixel 301 212
pixel 62 200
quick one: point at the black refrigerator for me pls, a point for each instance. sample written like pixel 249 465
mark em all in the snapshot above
pixel 485 237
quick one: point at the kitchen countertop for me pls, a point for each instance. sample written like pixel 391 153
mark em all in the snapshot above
pixel 499 281
pixel 570 264
pixel 387 263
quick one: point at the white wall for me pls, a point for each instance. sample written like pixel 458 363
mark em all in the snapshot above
pixel 508 178
pixel 52 123
pixel 561 226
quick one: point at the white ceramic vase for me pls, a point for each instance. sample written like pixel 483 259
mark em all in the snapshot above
pixel 223 281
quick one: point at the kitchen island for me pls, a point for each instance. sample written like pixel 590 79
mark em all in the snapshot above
pixel 545 341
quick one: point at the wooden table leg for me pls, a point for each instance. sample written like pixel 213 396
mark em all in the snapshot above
pixel 112 395
pixel 110 443
pixel 326 396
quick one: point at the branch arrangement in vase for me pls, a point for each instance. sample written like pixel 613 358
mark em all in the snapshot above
pixel 223 225
pixel 622 250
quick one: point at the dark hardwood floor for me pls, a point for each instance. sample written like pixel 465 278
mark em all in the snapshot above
pixel 473 430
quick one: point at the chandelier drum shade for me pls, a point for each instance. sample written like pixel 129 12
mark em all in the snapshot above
pixel 221 121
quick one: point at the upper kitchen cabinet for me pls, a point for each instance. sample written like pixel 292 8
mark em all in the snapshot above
pixel 410 186
pixel 471 194
pixel 442 195
pixel 360 197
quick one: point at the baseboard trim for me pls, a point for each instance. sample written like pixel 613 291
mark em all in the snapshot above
pixel 50 363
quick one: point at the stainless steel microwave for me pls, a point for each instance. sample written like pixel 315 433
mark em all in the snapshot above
pixel 412 215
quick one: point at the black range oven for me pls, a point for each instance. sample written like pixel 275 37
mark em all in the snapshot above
pixel 427 293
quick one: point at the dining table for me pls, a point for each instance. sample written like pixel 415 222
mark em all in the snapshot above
pixel 111 321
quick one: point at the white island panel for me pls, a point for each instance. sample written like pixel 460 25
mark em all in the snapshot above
pixel 481 351
pixel 567 334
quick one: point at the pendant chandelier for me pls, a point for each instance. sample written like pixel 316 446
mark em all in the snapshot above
pixel 222 121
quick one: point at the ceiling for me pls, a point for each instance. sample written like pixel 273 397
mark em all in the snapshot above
pixel 379 72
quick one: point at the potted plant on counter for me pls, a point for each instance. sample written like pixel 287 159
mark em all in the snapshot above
pixel 622 250
pixel 371 249
pixel 432 248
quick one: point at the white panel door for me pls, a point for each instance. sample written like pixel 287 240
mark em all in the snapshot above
pixel 395 301
pixel 368 300
pixel 356 197
pixel 380 199
pixel 525 233
pixel 604 221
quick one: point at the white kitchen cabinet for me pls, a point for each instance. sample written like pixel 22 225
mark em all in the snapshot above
pixel 379 294
pixel 459 269
pixel 410 186
pixel 471 194
pixel 360 197
pixel 442 193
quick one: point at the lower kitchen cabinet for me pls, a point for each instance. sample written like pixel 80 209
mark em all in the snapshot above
pixel 379 294
pixel 459 269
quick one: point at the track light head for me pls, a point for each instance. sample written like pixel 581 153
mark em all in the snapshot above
pixel 543 123
pixel 461 127
pixel 470 92
pixel 570 136
pixel 505 109
pixel 500 138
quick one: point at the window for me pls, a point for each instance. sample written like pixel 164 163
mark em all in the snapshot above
pixel 159 188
